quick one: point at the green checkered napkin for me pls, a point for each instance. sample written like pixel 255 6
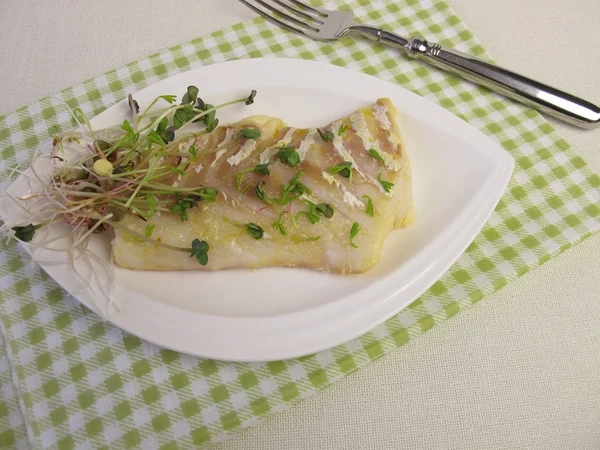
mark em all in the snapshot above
pixel 78 380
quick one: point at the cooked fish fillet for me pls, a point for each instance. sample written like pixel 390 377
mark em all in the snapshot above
pixel 324 245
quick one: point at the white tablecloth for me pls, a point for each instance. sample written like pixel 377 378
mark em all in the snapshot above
pixel 521 369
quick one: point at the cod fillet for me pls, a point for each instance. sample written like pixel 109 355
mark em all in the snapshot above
pixel 368 141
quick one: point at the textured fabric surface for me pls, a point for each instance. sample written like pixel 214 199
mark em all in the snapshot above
pixel 13 433
pixel 473 116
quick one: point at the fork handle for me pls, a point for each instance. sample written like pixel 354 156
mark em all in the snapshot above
pixel 561 105
pixel 547 99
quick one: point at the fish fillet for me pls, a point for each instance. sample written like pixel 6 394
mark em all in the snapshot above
pixel 324 245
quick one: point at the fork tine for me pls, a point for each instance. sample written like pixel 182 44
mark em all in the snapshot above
pixel 298 12
pixel 273 19
pixel 286 16
pixel 310 8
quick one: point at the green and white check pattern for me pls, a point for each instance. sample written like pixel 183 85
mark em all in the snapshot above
pixel 86 384
pixel 12 424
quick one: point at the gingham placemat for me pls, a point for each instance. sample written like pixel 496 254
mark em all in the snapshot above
pixel 13 433
pixel 80 381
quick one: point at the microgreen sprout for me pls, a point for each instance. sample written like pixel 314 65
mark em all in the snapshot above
pixel 326 136
pixel 259 190
pixel 150 230
pixel 312 215
pixel 369 208
pixel 313 238
pixel 127 169
pixel 288 155
pixel 25 233
pixel 190 96
pixel 250 99
pixel 325 209
pixel 151 199
pixel 250 133
pixel 294 189
pixel 278 225
pixel 255 230
pixel 353 233
pixel 344 169
pixel 386 185
pixel 375 154
pixel 210 118
pixel 263 169
pixel 199 251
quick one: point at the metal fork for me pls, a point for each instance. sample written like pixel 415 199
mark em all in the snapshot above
pixel 326 25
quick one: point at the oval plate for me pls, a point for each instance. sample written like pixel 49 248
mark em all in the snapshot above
pixel 277 313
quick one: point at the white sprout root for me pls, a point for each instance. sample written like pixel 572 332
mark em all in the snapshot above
pixel 47 203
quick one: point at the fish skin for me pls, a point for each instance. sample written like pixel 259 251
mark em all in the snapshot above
pixel 222 223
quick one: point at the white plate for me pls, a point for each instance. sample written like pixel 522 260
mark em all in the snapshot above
pixel 268 314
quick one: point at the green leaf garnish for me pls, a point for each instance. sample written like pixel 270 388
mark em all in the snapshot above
pixel 210 118
pixel 344 169
pixel 313 238
pixel 162 126
pixel 183 204
pixel 279 226
pixel 288 155
pixel 150 230
pixel 192 92
pixel 263 169
pixel 26 232
pixel 250 99
pixel 181 208
pixel 327 136
pixel 312 214
pixel 312 218
pixel 207 194
pixel 168 98
pixel 155 138
pixel 126 126
pixel 200 251
pixel 239 177
pixel 214 124
pixel 387 185
pixel 130 133
pixel 180 118
pixel 190 96
pixel 254 230
pixel 250 133
pixel 193 151
pixel 325 209
pixel 314 211
pixel 343 127
pixel 168 134
pixel 151 199
pixel 259 190
pixel 375 154
pixel 293 190
pixel 353 232
pixel 369 209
